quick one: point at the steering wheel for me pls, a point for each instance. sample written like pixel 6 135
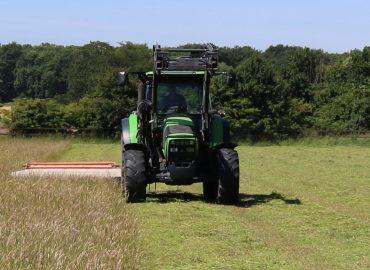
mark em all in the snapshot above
pixel 177 109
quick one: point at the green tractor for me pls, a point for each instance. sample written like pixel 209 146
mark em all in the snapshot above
pixel 174 136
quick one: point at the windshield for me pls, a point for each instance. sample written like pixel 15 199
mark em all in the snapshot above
pixel 180 96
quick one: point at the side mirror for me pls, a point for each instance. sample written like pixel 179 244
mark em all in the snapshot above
pixel 231 79
pixel 122 78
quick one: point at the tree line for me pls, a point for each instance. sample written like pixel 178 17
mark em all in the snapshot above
pixel 283 91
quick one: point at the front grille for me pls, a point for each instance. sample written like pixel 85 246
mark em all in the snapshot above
pixel 182 150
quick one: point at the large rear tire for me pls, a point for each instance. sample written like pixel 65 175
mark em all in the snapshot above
pixel 134 175
pixel 228 176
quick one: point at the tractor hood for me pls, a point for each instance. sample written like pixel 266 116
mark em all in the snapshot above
pixel 179 131
pixel 179 125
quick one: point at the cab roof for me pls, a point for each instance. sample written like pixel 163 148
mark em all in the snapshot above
pixel 177 72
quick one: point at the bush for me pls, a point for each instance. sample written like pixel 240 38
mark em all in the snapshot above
pixel 90 112
pixel 36 113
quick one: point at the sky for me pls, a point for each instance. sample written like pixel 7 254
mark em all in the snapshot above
pixel 331 25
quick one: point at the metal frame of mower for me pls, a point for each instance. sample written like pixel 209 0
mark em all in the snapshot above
pixel 178 148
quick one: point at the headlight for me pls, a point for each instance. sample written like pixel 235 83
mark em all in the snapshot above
pixel 182 142
pixel 182 150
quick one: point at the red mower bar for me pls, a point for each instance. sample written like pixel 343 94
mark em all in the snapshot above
pixel 70 165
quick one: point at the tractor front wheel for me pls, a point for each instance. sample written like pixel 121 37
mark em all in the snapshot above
pixel 134 175
pixel 228 176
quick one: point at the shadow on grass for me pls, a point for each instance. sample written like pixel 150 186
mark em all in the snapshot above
pixel 246 200
pixel 249 200
pixel 173 196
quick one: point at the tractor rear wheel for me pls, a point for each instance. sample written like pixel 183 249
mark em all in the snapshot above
pixel 228 176
pixel 134 175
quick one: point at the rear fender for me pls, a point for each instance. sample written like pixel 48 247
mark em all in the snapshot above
pixel 220 133
pixel 228 145
pixel 136 146
pixel 129 129
pixel 129 135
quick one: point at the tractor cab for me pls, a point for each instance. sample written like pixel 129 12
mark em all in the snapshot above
pixel 179 94
pixel 174 136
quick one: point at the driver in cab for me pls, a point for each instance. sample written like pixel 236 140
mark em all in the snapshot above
pixel 174 100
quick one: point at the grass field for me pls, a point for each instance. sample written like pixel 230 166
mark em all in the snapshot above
pixel 303 206
pixel 58 223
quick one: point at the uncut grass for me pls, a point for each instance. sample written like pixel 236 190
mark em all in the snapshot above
pixel 59 223
pixel 92 151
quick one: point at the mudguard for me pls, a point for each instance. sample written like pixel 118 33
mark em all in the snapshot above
pixel 129 129
pixel 129 134
pixel 227 145
pixel 220 133
pixel 136 146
